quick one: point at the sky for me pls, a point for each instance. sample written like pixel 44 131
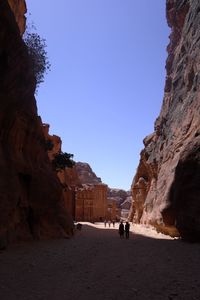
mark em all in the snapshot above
pixel 105 87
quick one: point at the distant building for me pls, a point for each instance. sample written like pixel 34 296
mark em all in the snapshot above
pixel 91 203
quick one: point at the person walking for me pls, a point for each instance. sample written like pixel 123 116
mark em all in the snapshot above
pixel 121 230
pixel 105 222
pixel 127 229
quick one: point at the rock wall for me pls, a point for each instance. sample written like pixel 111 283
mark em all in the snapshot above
pixel 19 9
pixel 86 174
pixel 31 202
pixel 68 177
pixel 166 189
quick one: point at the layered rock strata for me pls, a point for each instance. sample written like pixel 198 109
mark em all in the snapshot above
pixel 31 202
pixel 166 188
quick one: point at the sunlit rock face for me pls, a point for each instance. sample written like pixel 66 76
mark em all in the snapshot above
pixel 166 189
pixel 19 9
pixel 31 202
pixel 86 174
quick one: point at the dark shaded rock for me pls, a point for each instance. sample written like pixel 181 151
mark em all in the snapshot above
pixel 185 192
pixel 31 202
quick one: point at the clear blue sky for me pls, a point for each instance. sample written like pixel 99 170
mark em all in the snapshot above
pixel 106 83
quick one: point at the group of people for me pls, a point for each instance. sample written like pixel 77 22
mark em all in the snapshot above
pixel 109 223
pixel 124 229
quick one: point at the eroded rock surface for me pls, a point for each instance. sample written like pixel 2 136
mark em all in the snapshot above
pixel 86 174
pixel 68 177
pixel 166 186
pixel 31 201
pixel 19 9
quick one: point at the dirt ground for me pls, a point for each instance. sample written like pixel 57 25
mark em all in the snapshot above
pixel 97 264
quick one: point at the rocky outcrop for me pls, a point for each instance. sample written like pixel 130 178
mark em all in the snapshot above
pixel 117 195
pixel 31 202
pixel 86 174
pixel 19 9
pixel 127 203
pixel 68 177
pixel 166 186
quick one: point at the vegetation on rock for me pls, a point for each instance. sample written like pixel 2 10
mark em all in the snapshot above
pixel 38 55
pixel 63 160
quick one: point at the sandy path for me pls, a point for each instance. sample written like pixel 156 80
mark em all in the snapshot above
pixel 96 264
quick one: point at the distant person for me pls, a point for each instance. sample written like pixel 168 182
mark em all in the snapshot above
pixel 127 229
pixel 109 222
pixel 113 223
pixel 121 230
pixel 105 222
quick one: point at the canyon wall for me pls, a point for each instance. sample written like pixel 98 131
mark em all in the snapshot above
pixel 31 201
pixel 19 9
pixel 68 177
pixel 166 189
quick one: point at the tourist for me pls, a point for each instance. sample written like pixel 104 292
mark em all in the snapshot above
pixel 105 222
pixel 127 228
pixel 121 230
pixel 113 223
pixel 109 222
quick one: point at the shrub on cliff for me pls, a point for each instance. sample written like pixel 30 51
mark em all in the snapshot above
pixel 38 56
pixel 63 160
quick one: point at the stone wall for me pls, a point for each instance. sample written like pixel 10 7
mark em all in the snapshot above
pixel 166 186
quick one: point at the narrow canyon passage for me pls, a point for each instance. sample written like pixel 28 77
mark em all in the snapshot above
pixel 97 264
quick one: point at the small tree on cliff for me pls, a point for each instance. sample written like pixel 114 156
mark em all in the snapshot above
pixel 63 160
pixel 37 55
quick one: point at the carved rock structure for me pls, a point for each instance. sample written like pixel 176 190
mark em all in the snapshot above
pixel 114 197
pixel 166 187
pixel 31 202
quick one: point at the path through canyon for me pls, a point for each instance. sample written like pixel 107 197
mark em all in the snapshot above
pixel 97 265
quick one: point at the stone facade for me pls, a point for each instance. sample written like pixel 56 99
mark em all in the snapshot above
pixel 91 203
pixel 85 196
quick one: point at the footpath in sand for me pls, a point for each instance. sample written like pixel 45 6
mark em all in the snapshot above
pixel 97 265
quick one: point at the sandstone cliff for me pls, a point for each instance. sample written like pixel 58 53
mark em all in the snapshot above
pixel 19 9
pixel 68 177
pixel 86 174
pixel 31 202
pixel 166 187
